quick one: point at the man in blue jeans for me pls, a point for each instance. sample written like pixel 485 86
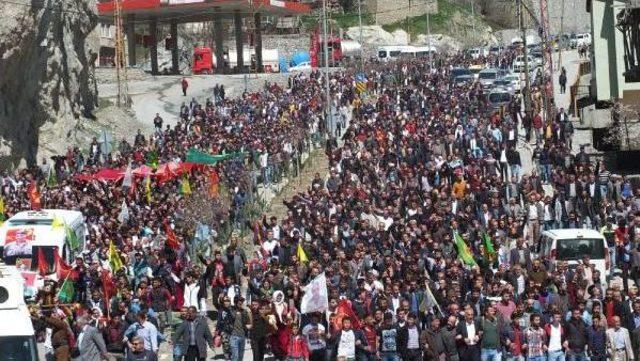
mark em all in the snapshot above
pixel 240 327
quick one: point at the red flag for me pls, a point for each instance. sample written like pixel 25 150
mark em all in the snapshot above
pixel 172 240
pixel 107 285
pixel 257 232
pixel 214 181
pixel 43 266
pixel 63 270
pixel 344 310
pixel 34 196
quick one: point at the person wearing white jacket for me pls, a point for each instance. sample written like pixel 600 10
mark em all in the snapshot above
pixel 191 291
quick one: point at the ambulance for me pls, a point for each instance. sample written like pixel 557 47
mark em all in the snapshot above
pixel 33 236
pixel 17 336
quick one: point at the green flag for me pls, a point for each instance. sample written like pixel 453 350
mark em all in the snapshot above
pixel 489 251
pixel 52 179
pixel 463 250
pixel 196 156
pixel 67 291
pixel 152 159
pixel 72 238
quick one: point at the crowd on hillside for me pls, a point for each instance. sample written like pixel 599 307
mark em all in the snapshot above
pixel 428 228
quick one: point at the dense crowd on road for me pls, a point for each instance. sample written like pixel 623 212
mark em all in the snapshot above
pixel 428 228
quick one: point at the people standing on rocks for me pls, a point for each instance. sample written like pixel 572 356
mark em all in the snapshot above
pixel 185 85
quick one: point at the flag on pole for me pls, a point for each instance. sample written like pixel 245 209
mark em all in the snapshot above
pixel 123 216
pixel 429 301
pixel 152 159
pixel 172 240
pixel 214 181
pixel 52 178
pixel 2 219
pixel 72 238
pixel 147 188
pixel 57 223
pixel 344 310
pixel 185 187
pixel 489 251
pixel 67 291
pixel 302 256
pixel 64 270
pixel 114 258
pixel 34 196
pixel 108 286
pixel 43 265
pixel 463 250
pixel 127 181
pixel 316 295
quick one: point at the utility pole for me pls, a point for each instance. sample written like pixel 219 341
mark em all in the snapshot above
pixel 122 100
pixel 429 34
pixel 361 43
pixel 561 43
pixel 527 86
pixel 473 16
pixel 327 110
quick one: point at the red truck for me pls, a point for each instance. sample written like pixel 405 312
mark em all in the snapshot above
pixel 204 61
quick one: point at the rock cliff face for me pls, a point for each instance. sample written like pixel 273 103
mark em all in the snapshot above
pixel 46 77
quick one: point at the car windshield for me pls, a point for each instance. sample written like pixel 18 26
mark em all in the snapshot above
pixel 574 249
pixel 499 97
pixel 501 82
pixel 459 71
pixel 18 348
pixel 488 75
pixel 382 54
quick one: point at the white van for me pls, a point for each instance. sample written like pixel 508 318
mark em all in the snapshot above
pixel 17 336
pixel 26 234
pixel 571 244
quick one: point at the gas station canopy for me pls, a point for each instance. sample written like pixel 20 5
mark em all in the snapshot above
pixel 199 10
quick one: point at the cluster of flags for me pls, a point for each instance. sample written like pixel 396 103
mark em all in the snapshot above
pixel 465 255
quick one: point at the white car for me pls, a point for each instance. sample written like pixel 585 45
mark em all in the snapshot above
pixel 514 79
pixel 304 66
pixel 518 64
pixel 583 39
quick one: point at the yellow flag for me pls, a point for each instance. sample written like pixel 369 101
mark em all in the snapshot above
pixel 114 258
pixel 185 187
pixel 301 255
pixel 1 211
pixel 147 188
pixel 57 223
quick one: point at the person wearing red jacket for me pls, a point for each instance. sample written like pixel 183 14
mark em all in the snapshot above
pixel 298 349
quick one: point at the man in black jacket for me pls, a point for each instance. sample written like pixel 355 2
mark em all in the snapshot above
pixel 409 340
pixel 469 334
pixel 576 337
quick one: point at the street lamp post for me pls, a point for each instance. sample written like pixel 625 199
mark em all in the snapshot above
pixel 361 43
pixel 326 68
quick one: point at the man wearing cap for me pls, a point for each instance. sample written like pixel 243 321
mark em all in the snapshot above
pixel 240 326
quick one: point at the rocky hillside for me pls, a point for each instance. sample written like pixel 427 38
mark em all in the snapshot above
pixel 46 82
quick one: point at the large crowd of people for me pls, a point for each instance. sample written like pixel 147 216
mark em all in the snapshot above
pixel 427 227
